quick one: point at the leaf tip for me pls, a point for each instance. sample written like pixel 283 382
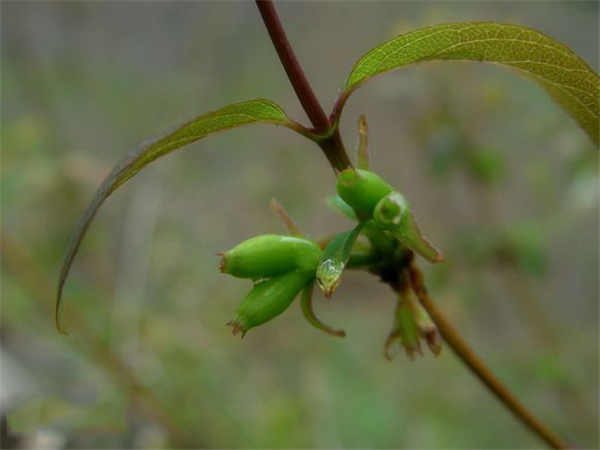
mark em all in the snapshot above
pixel 57 319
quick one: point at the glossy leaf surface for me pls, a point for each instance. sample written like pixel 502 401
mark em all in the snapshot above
pixel 565 76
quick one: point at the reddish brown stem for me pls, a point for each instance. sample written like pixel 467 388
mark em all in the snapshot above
pixel 292 68
pixel 331 144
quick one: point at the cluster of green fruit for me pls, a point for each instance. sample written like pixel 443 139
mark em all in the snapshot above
pixel 284 266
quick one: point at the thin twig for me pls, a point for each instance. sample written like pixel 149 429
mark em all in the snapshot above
pixel 331 144
pixel 532 310
pixel 481 371
pixel 288 59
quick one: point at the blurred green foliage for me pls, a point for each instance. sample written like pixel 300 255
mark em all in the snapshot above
pixel 499 177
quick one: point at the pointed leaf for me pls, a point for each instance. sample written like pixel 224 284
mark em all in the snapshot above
pixel 231 116
pixel 566 77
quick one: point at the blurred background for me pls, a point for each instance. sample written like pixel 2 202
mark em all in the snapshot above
pixel 500 178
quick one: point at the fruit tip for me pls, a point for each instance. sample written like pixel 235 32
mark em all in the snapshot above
pixel 236 328
pixel 339 333
pixel 223 262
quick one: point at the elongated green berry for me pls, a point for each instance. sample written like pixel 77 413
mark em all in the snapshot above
pixel 393 214
pixel 361 189
pixel 268 299
pixel 270 255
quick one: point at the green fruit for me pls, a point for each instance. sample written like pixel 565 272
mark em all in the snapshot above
pixel 361 189
pixel 268 299
pixel 271 255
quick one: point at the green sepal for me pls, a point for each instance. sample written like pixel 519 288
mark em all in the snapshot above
pixel 336 203
pixel 270 255
pixel 412 323
pixel 382 241
pixel 405 330
pixel 393 214
pixel 363 159
pixel 334 260
pixel 309 314
pixel 361 189
pixel 426 326
pixel 268 299
pixel 363 255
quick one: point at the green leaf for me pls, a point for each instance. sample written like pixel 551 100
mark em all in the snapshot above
pixel 231 116
pixel 565 76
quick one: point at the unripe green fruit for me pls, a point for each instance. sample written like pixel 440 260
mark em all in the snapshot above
pixel 271 255
pixel 361 189
pixel 268 299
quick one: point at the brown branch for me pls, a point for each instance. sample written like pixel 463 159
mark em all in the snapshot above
pixel 331 144
pixel 288 59
pixel 481 371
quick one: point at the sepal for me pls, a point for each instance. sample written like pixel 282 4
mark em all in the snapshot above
pixel 309 314
pixel 412 323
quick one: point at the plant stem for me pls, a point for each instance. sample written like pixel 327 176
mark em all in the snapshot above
pixel 305 94
pixel 333 148
pixel 331 145
pixel 481 371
